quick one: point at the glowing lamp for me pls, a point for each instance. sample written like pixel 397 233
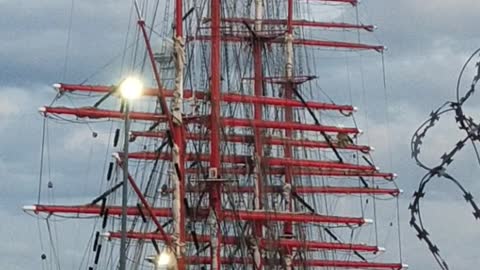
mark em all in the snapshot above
pixel 131 88
pixel 165 259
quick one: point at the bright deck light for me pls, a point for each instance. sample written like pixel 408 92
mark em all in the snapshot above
pixel 165 259
pixel 131 88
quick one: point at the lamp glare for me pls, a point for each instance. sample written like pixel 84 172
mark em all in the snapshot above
pixel 165 259
pixel 131 88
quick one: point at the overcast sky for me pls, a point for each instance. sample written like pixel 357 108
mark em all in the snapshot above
pixel 427 41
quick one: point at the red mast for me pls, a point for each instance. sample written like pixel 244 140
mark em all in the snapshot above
pixel 215 166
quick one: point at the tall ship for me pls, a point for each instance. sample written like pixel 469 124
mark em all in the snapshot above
pixel 226 151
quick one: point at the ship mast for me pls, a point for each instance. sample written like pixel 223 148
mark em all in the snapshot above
pixel 258 115
pixel 215 170
pixel 289 68
pixel 178 149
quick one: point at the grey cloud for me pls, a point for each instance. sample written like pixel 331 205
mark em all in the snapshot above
pixel 428 42
pixel 413 26
pixel 36 34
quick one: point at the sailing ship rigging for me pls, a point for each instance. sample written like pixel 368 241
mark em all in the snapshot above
pixel 242 162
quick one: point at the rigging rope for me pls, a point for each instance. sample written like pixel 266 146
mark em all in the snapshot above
pixel 390 154
pixel 42 152
pixel 52 243
pixel 40 181
pixel 67 45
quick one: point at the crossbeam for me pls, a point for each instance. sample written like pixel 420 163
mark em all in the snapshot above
pixel 253 123
pixel 337 264
pixel 302 23
pixel 225 215
pixel 93 113
pixel 280 171
pixel 267 140
pixel 226 97
pixel 334 190
pixel 304 42
pixel 246 159
pixel 263 243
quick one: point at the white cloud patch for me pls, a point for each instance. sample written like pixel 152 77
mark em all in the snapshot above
pixel 16 103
